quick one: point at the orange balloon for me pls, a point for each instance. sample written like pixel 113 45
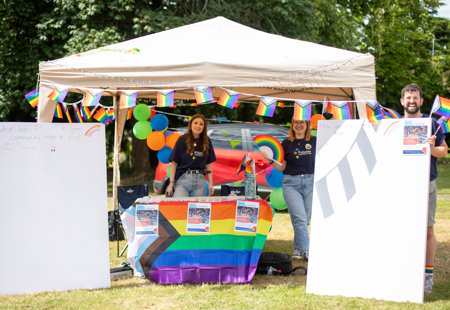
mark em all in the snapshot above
pixel 314 119
pixel 156 140
pixel 172 139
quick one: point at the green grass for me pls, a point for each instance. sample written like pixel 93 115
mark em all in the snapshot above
pixel 443 181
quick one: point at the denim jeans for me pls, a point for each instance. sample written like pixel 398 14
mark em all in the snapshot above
pixel 190 185
pixel 298 193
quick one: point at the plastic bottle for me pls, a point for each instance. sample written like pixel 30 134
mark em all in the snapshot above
pixel 272 271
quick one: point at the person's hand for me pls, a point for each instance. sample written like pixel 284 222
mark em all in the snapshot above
pixel 169 190
pixel 211 189
pixel 432 140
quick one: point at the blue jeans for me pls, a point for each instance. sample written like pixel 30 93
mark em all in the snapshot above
pixel 190 185
pixel 298 193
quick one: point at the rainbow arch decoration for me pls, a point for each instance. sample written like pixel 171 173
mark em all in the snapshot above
pixel 92 130
pixel 174 256
pixel 271 146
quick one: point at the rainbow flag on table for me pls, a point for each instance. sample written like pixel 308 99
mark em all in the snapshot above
pixel 127 99
pixel 33 97
pixel 203 94
pixel 266 106
pixel 389 113
pixel 302 110
pixel 340 110
pixel 101 116
pixel 77 114
pixel 224 255
pixel 243 163
pixel 373 110
pixel 92 98
pixel 444 123
pixel 58 95
pixel 58 111
pixel 228 99
pixel 164 98
pixel 250 166
pixel 326 106
pixel 441 106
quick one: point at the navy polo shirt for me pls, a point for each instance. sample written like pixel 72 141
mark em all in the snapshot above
pixel 300 156
pixel 194 160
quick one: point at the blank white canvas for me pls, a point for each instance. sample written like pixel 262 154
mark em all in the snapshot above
pixel 369 217
pixel 53 207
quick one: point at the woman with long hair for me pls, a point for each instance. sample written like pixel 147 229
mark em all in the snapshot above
pixel 298 168
pixel 191 159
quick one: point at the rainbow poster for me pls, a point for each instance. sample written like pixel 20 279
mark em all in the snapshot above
pixel 266 106
pixel 271 146
pixel 340 110
pixel 58 95
pixel 302 110
pixel 228 99
pixel 174 255
pixel 127 99
pixel 444 123
pixel 373 110
pixel 203 94
pixel 33 97
pixel 441 106
pixel 164 98
pixel 92 98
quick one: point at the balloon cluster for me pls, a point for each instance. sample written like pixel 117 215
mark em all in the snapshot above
pixel 275 179
pixel 154 131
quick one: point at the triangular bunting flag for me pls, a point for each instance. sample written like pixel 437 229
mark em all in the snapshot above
pixel 33 97
pixel 266 106
pixel 127 99
pixel 92 98
pixel 302 110
pixel 341 110
pixel 203 94
pixel 58 95
pixel 164 98
pixel 373 110
pixel 234 143
pixel 228 99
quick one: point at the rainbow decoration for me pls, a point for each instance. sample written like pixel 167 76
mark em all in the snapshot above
pixel 77 114
pixel 91 99
pixel 266 106
pixel 58 95
pixel 243 163
pixel 92 130
pixel 326 106
pixel 373 110
pixel 271 146
pixel 101 116
pixel 164 98
pixel 33 97
pixel 174 256
pixel 280 104
pixel 340 110
pixel 228 99
pixel 302 110
pixel 110 113
pixel 66 111
pixel 127 99
pixel 130 113
pixel 87 114
pixel 250 167
pixel 441 106
pixel 389 113
pixel 444 123
pixel 58 111
pixel 203 94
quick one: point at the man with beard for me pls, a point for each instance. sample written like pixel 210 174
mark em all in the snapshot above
pixel 412 101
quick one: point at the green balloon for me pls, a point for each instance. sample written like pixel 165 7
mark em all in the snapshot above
pixel 168 170
pixel 277 199
pixel 142 129
pixel 141 112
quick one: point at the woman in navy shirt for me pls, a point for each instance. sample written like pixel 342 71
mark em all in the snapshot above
pixel 298 167
pixel 191 159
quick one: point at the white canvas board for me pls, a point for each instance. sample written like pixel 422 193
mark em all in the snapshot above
pixel 369 216
pixel 53 207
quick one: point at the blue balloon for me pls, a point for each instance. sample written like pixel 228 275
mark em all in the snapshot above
pixel 164 154
pixel 159 122
pixel 275 179
pixel 207 188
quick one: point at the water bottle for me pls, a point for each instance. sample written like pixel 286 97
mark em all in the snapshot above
pixel 272 271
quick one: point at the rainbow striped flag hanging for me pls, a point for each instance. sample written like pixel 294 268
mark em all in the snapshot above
pixel 92 98
pixel 77 114
pixel 58 111
pixel 441 106
pixel 444 123
pixel 341 110
pixel 101 116
pixel 164 98
pixel 302 110
pixel 266 106
pixel 110 113
pixel 33 97
pixel 373 110
pixel 389 113
pixel 66 111
pixel 85 112
pixel 228 99
pixel 127 99
pixel 130 113
pixel 326 106
pixel 58 95
pixel 203 94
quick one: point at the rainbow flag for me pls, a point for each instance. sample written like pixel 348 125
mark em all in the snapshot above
pixel 243 163
pixel 444 123
pixel 130 113
pixel 250 166
pixel 340 110
pixel 110 113
pixel 302 110
pixel 164 98
pixel 77 114
pixel 58 111
pixel 280 104
pixel 203 94
pixel 101 116
pixel 266 106
pixel 389 113
pixel 223 255
pixel 58 95
pixel 33 97
pixel 91 99
pixel 66 111
pixel 326 106
pixel 85 112
pixel 373 110
pixel 228 99
pixel 127 99
pixel 441 106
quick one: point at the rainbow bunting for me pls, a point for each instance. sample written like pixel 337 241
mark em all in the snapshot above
pixel 271 146
pixel 92 99
pixel 110 113
pixel 266 106
pixel 228 99
pixel 341 110
pixel 373 110
pixel 33 97
pixel 127 99
pixel 444 123
pixel 280 104
pixel 58 95
pixel 441 106
pixel 58 111
pixel 243 163
pixel 77 114
pixel 101 116
pixel 66 111
pixel 164 98
pixel 326 106
pixel 203 94
pixel 130 113
pixel 86 113
pixel 302 110
pixel 389 113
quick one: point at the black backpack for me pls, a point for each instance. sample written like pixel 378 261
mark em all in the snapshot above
pixel 282 263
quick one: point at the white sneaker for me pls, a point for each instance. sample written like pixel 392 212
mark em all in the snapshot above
pixel 428 287
pixel 305 255
pixel 297 254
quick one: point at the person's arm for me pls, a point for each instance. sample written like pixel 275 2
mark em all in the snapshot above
pixel 274 164
pixel 209 174
pixel 173 169
pixel 437 151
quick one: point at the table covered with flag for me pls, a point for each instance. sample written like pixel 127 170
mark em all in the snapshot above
pixel 174 252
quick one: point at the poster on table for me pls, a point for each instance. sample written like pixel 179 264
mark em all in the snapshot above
pixel 369 214
pixel 246 219
pixel 147 219
pixel 53 203
pixel 199 217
